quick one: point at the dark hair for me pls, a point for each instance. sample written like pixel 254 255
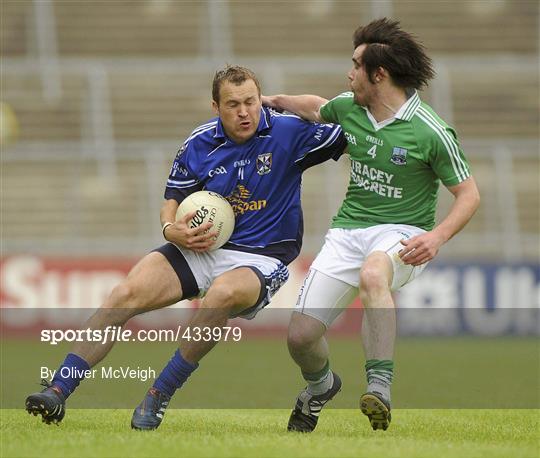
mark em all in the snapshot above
pixel 397 51
pixel 234 74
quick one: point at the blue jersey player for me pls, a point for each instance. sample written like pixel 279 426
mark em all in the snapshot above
pixel 255 158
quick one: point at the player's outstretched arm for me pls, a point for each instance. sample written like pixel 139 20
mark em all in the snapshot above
pixel 305 106
pixel 423 248
pixel 199 238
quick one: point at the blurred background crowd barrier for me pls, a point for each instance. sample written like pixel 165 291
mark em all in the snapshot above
pixel 98 96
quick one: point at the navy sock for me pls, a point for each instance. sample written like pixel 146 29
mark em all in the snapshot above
pixel 175 373
pixel 70 374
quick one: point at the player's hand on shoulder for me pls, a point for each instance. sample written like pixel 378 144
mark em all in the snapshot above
pixel 270 101
pixel 420 249
pixel 200 238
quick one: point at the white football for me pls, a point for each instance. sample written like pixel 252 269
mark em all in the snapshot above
pixel 209 207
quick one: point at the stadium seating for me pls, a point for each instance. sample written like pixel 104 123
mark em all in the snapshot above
pixel 170 28
pixel 155 60
pixel 159 105
pixel 464 27
pixel 496 102
pixel 43 120
pixel 15 21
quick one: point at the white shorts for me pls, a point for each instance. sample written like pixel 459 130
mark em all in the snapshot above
pixel 197 271
pixel 325 296
pixel 345 250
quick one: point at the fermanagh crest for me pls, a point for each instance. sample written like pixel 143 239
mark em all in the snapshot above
pixel 399 156
pixel 264 163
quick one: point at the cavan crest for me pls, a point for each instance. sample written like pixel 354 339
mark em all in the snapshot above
pixel 181 151
pixel 399 156
pixel 264 163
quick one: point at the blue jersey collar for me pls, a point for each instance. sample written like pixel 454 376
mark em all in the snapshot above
pixel 264 124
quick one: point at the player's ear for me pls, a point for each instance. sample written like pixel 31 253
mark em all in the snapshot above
pixel 215 107
pixel 381 73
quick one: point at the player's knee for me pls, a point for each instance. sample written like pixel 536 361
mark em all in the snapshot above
pixel 301 337
pixel 221 295
pixel 124 296
pixel 119 307
pixel 373 281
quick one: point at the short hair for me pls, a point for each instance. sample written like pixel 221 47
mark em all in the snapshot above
pixel 399 52
pixel 233 74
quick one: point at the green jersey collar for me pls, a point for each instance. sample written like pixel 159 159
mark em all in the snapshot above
pixel 405 112
pixel 408 109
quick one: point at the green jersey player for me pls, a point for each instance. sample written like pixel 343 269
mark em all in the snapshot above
pixel 395 166
pixel 384 232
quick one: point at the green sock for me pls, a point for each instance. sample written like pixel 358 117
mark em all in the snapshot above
pixel 319 382
pixel 379 374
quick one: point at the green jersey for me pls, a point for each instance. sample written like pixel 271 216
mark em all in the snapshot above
pixel 396 165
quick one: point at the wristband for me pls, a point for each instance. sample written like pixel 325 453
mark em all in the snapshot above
pixel 165 226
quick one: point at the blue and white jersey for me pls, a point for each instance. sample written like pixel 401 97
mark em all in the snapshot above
pixel 260 178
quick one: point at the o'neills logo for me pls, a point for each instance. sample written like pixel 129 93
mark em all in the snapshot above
pixel 240 202
pixel 199 216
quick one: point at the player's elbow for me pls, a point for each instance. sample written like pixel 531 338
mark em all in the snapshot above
pixel 467 193
pixel 474 198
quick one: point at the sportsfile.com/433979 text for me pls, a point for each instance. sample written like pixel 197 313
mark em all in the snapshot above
pixel 117 334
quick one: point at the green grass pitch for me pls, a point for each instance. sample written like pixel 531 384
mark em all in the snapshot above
pixel 453 397
pixel 261 433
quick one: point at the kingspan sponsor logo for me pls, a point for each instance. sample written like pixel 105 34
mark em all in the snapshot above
pixel 240 202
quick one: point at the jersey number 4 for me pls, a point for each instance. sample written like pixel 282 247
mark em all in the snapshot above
pixel 372 151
